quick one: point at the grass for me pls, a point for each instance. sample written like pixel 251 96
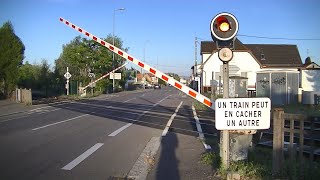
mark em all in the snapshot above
pixel 200 106
pixel 258 165
pixel 309 110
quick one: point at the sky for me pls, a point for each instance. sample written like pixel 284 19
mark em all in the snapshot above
pixel 161 32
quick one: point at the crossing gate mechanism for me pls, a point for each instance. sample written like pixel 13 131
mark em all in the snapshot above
pixel 105 75
pixel 192 93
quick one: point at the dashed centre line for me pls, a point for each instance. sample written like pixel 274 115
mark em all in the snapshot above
pixel 82 157
pixel 120 129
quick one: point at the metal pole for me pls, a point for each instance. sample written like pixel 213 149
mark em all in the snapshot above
pixel 91 87
pixel 225 133
pixel 67 82
pixel 114 14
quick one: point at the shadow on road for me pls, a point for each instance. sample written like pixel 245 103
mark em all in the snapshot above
pixel 137 113
pixel 168 164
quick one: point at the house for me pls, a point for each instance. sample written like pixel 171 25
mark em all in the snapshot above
pixel 147 78
pixel 310 65
pixel 310 76
pixel 248 60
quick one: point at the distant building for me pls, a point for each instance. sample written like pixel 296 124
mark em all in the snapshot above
pixel 146 78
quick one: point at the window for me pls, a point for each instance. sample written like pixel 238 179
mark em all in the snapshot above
pixel 262 57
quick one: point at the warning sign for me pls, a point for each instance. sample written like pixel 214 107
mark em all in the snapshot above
pixel 242 113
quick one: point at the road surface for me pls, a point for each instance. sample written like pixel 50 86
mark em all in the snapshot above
pixel 96 138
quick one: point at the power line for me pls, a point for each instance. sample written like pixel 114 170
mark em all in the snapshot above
pixel 279 38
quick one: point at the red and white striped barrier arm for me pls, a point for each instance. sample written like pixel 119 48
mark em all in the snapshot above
pixel 192 93
pixel 103 76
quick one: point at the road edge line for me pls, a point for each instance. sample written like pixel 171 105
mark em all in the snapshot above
pixel 199 129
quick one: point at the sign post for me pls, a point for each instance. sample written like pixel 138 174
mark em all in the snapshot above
pixel 91 76
pixel 224 27
pixel 224 140
pixel 67 75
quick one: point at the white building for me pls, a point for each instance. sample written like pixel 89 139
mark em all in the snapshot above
pixel 248 59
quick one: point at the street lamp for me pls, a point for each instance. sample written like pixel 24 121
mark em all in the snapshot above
pixel 144 59
pixel 114 14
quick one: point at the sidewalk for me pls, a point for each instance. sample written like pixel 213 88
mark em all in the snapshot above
pixel 179 158
pixel 10 107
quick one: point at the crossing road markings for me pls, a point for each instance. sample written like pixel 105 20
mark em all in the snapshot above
pixel 199 129
pixel 129 100
pixel 82 157
pixel 129 124
pixel 59 122
pixel 165 131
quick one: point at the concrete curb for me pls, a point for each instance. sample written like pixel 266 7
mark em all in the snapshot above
pixel 145 161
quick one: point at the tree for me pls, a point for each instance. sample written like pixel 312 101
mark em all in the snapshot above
pixel 11 57
pixel 307 61
pixel 175 76
pixel 28 75
pixel 82 55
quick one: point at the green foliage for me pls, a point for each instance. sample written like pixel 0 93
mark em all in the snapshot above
pixel 308 110
pixel 211 158
pixel 311 170
pixel 83 56
pixel 199 106
pixel 162 82
pixel 175 76
pixel 308 61
pixel 41 79
pixel 11 56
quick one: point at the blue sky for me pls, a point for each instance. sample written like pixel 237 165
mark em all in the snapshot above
pixel 165 29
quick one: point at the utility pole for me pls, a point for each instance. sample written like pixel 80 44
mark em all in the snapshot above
pixel 114 15
pixel 195 69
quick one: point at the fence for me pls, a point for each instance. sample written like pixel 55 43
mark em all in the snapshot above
pixel 289 125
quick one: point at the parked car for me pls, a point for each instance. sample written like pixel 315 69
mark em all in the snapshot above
pixel 157 86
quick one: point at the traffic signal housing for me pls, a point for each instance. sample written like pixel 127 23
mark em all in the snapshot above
pixel 224 27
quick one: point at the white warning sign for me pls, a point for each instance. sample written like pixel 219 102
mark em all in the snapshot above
pixel 242 113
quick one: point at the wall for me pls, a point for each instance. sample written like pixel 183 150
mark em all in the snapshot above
pixel 310 80
pixel 242 64
pixel 22 96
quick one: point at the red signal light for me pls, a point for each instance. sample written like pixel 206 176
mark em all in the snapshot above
pixel 224 27
pixel 223 24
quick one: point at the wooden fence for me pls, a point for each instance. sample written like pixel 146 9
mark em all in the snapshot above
pixel 291 124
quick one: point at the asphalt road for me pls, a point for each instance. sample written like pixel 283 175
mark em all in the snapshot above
pixel 96 138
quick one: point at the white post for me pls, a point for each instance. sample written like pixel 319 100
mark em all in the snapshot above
pixel 67 82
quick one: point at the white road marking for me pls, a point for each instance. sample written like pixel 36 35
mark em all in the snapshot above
pixel 154 105
pixel 129 124
pixel 166 129
pixel 129 100
pixel 36 112
pixel 82 157
pixel 142 95
pixel 12 119
pixel 59 122
pixel 120 129
pixel 199 129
